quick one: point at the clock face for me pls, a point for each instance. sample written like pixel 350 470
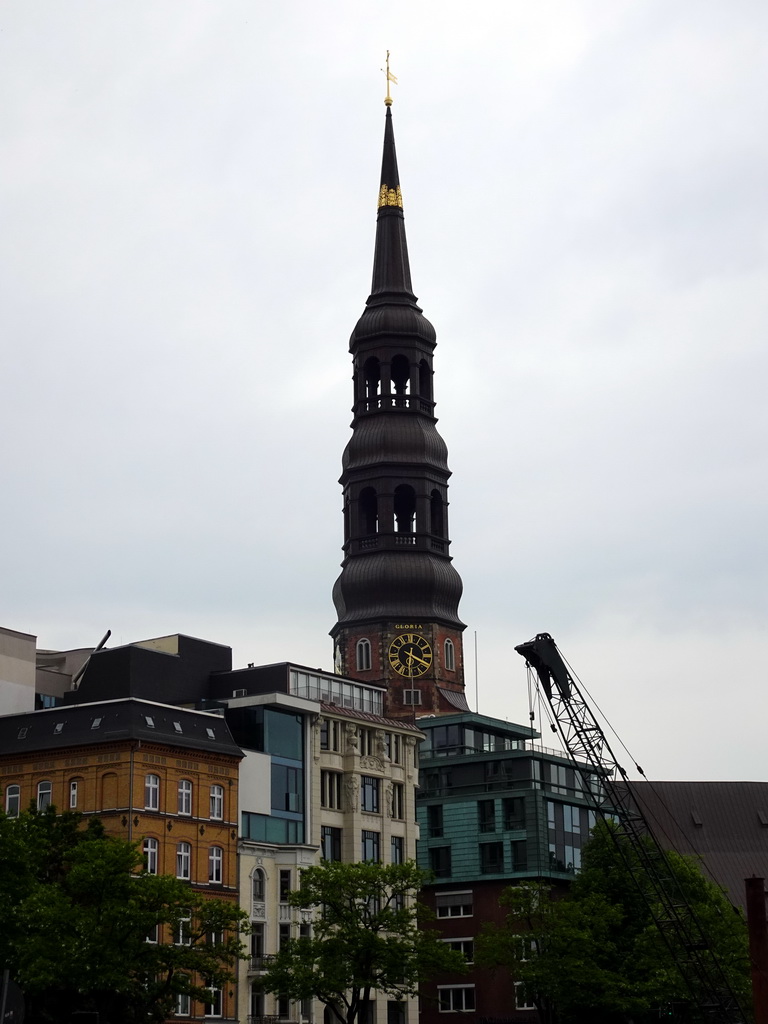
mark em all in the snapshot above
pixel 410 655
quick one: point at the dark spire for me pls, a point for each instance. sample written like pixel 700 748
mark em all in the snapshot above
pixel 391 270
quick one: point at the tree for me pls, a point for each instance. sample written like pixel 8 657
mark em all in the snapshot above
pixel 594 954
pixel 365 937
pixel 78 913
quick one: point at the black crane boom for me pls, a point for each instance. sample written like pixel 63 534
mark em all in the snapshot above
pixel 607 785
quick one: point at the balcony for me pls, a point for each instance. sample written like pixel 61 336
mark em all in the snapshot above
pixel 261 963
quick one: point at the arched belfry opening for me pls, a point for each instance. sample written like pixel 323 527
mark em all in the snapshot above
pixel 405 509
pixel 401 379
pixel 436 514
pixel 368 508
pixel 372 383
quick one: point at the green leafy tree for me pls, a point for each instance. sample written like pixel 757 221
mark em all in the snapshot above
pixel 594 954
pixel 365 938
pixel 78 912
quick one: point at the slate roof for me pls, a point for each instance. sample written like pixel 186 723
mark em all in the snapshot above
pixel 78 725
pixel 725 824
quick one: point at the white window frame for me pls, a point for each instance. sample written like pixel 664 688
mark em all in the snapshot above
pixel 183 936
pixel 152 792
pixel 216 808
pixel 521 997
pixel 452 991
pixel 215 1007
pixel 465 909
pixel 215 865
pixel 464 945
pixel 184 805
pixel 44 794
pixel 184 861
pixel 13 800
pixel 151 851
pixel 73 794
pixel 183 1004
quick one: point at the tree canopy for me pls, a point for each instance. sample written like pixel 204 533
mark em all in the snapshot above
pixel 365 937
pixel 79 916
pixel 594 953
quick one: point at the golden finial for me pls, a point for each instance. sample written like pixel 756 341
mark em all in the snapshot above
pixel 390 78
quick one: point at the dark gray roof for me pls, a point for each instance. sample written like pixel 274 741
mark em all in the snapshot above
pixel 111 721
pixel 725 824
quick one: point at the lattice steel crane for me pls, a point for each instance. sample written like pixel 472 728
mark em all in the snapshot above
pixel 586 744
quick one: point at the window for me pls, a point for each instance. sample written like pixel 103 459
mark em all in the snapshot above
pixel 440 861
pixel 152 792
pixel 216 809
pixel 329 734
pixel 12 801
pixel 285 884
pixel 257 885
pixel 216 865
pixel 363 655
pixel 486 815
pixel 454 904
pixel 456 998
pixel 370 846
pixel 368 743
pixel 43 795
pixel 151 856
pixel 523 997
pixel 491 858
pixel 183 1004
pixel 572 819
pixel 183 935
pixel 330 843
pixel 397 850
pixel 464 946
pixel 370 793
pixel 150 721
pixel 96 723
pixel 519 851
pixel 411 696
pixel 287 788
pixel 213 1003
pixel 183 861
pixel 330 789
pixel 435 820
pixel 450 656
pixel 395 1012
pixel 72 794
pixel 398 801
pixel 185 797
pixel 283 1007
pixel 257 940
pixel 58 728
pixel 514 812
pixel 153 935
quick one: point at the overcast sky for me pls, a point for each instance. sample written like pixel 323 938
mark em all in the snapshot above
pixel 188 200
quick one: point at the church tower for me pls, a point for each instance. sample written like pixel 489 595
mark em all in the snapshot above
pixel 397 598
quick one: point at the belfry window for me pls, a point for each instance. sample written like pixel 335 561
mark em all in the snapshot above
pixel 401 379
pixel 372 378
pixel 405 508
pixel 363 655
pixel 450 656
pixel 368 510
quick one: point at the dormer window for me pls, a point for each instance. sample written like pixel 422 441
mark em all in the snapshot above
pixel 210 733
pixel 22 733
pixel 96 723
pixel 58 728
pixel 150 721
pixel 177 727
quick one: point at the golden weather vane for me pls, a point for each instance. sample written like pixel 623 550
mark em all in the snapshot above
pixel 390 78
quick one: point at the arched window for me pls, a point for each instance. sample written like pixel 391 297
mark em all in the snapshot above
pixel 450 656
pixel 405 508
pixel 368 512
pixel 152 792
pixel 185 796
pixel 184 861
pixel 217 802
pixel 436 514
pixel 363 651
pixel 12 800
pixel 216 865
pixel 401 379
pixel 44 790
pixel 257 886
pixel 151 856
pixel 425 381
pixel 372 378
